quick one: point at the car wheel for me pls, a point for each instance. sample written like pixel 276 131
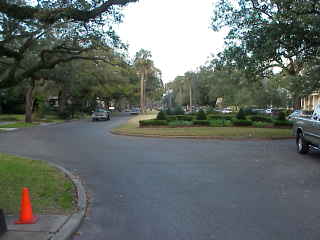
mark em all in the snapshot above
pixel 302 146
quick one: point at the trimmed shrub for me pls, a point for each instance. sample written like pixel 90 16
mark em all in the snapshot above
pixel 281 116
pixel 260 118
pixel 282 123
pixel 241 122
pixel 241 115
pixel 261 124
pixel 161 116
pixel 180 123
pixel 221 117
pixel 249 111
pixel 201 115
pixel 153 122
pixel 220 123
pixel 178 110
pixel 172 118
pixel 169 111
pixel 184 117
pixel 201 122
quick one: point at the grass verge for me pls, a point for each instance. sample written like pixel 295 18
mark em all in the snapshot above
pixel 132 128
pixel 18 125
pixel 51 191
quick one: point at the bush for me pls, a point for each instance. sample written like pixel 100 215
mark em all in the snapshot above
pixel 281 116
pixel 221 117
pixel 241 115
pixel 249 111
pixel 260 124
pixel 180 123
pixel 241 122
pixel 201 115
pixel 153 122
pixel 172 118
pixel 201 122
pixel 184 117
pixel 220 123
pixel 161 116
pixel 282 123
pixel 178 110
pixel 169 111
pixel 260 118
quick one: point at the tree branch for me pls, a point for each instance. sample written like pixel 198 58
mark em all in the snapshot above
pixel 50 16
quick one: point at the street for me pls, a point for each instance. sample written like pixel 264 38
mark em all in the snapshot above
pixel 170 189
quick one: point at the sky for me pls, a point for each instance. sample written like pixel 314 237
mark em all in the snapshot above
pixel 177 32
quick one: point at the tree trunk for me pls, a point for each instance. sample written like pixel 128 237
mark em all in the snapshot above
pixel 62 102
pixel 29 103
pixel 142 93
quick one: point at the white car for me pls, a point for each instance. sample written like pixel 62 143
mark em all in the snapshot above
pixel 227 110
pixel 268 111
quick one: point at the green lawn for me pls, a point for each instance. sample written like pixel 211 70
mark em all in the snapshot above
pixel 18 125
pixel 51 192
pixel 19 120
pixel 11 117
pixel 132 128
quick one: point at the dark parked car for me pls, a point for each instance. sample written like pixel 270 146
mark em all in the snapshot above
pixel 101 114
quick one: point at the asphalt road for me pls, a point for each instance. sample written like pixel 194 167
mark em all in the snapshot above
pixel 159 189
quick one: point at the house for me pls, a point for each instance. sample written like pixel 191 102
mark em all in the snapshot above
pixel 309 102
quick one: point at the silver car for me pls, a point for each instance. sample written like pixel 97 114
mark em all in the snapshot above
pixel 101 114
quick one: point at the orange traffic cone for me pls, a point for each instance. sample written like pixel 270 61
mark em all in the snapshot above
pixel 26 216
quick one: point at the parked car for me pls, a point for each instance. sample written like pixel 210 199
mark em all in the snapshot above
pixel 226 110
pixel 294 114
pixel 268 111
pixel 135 111
pixel 306 129
pixel 101 114
pixel 258 111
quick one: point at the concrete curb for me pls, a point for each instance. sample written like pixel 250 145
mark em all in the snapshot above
pixel 201 137
pixel 73 222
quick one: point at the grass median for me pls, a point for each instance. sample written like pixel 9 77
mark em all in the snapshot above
pixel 132 128
pixel 51 191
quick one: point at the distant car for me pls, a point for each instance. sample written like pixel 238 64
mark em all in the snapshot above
pixel 226 110
pixel 135 111
pixel 298 113
pixel 101 114
pixel 258 111
pixel 268 111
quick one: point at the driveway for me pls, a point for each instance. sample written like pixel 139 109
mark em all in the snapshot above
pixel 160 189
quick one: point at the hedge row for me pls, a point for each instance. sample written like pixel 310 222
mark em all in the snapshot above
pixel 201 122
pixel 153 122
pixel 235 122
pixel 241 122
pixel 220 117
pixel 282 123
pixel 260 118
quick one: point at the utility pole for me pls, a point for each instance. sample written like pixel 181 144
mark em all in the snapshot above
pixel 190 92
pixel 142 93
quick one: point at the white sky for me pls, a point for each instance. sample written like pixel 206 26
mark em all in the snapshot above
pixel 177 32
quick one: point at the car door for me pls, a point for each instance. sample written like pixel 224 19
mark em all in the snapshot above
pixel 315 128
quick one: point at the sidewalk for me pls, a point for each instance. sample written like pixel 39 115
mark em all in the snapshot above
pixel 46 228
pixel 50 227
